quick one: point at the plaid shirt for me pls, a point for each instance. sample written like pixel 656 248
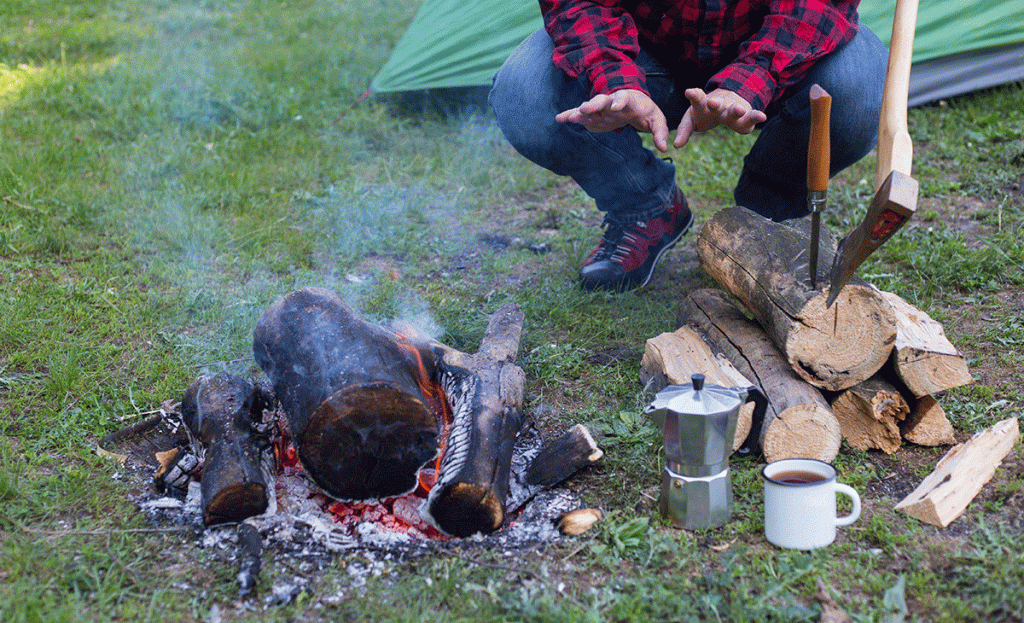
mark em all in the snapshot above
pixel 755 48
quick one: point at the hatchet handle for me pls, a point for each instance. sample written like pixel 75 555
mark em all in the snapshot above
pixel 895 149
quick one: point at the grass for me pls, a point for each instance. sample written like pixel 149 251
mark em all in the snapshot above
pixel 170 168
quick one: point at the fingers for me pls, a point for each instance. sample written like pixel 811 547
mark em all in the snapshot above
pixel 685 130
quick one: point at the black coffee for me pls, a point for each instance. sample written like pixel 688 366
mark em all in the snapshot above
pixel 798 477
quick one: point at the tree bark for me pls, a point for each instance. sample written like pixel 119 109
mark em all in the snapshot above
pixel 765 265
pixel 798 422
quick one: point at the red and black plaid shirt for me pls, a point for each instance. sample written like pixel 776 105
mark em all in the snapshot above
pixel 753 47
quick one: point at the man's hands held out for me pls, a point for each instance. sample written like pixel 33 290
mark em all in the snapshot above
pixel 604 113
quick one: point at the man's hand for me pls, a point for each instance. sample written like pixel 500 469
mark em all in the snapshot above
pixel 604 113
pixel 720 107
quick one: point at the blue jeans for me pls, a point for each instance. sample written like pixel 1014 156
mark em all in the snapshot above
pixel 629 182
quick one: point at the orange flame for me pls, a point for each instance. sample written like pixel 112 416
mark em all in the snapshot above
pixel 435 398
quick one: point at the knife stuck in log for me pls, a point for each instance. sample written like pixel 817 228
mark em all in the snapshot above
pixel 819 159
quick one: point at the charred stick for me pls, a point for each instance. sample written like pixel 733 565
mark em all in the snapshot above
pixel 224 414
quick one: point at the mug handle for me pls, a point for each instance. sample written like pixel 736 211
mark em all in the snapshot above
pixel 849 492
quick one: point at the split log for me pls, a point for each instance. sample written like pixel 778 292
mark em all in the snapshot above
pixel 959 476
pixel 225 413
pixel 923 357
pixel 356 395
pixel 765 265
pixel 927 424
pixel 673 359
pixel 798 421
pixel 870 414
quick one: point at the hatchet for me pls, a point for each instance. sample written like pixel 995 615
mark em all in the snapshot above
pixel 895 197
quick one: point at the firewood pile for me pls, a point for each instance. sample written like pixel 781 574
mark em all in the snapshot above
pixel 865 370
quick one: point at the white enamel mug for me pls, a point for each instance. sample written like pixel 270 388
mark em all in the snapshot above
pixel 800 503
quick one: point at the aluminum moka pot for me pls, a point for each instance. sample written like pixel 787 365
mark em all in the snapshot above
pixel 698 422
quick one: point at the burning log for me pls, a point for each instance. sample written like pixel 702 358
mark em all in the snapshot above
pixel 764 264
pixel 356 395
pixel 485 393
pixel 369 406
pixel 224 413
pixel 798 421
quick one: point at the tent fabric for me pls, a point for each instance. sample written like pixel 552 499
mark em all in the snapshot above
pixel 959 45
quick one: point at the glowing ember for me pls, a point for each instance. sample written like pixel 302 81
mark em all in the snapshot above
pixel 394 514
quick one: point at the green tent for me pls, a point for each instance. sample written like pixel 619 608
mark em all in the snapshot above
pixel 959 46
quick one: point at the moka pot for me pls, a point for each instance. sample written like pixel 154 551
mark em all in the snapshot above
pixel 698 422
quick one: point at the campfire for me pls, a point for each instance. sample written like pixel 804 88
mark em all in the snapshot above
pixel 363 435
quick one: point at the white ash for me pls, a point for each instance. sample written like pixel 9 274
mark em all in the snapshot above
pixel 296 528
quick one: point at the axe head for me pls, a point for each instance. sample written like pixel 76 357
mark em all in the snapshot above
pixel 894 203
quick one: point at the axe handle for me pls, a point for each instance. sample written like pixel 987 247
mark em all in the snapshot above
pixel 895 149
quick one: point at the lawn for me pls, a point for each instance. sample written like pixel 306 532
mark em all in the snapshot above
pixel 169 169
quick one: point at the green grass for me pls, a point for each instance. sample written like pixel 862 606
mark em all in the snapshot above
pixel 168 169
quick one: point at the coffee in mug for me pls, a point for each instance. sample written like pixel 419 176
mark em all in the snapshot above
pixel 800 503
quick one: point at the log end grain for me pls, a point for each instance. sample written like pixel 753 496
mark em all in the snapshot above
pixel 368 441
pixel 837 347
pixel 806 431
pixel 464 509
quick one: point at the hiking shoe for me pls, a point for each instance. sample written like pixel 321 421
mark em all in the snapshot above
pixel 626 255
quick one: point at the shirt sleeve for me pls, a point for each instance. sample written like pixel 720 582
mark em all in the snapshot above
pixel 795 34
pixel 596 40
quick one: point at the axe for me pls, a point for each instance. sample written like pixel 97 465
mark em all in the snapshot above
pixel 895 197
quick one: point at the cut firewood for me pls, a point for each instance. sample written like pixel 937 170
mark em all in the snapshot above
pixel 798 421
pixel 959 476
pixel 927 424
pixel 225 414
pixel 870 413
pixel 673 359
pixel 765 265
pixel 923 357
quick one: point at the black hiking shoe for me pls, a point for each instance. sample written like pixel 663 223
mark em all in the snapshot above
pixel 626 255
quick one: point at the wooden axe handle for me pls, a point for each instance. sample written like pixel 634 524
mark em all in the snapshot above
pixel 895 149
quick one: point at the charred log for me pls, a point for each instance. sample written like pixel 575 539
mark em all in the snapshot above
pixel 224 414
pixel 352 392
pixel 485 392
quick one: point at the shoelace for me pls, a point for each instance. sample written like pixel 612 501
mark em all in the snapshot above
pixel 617 242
